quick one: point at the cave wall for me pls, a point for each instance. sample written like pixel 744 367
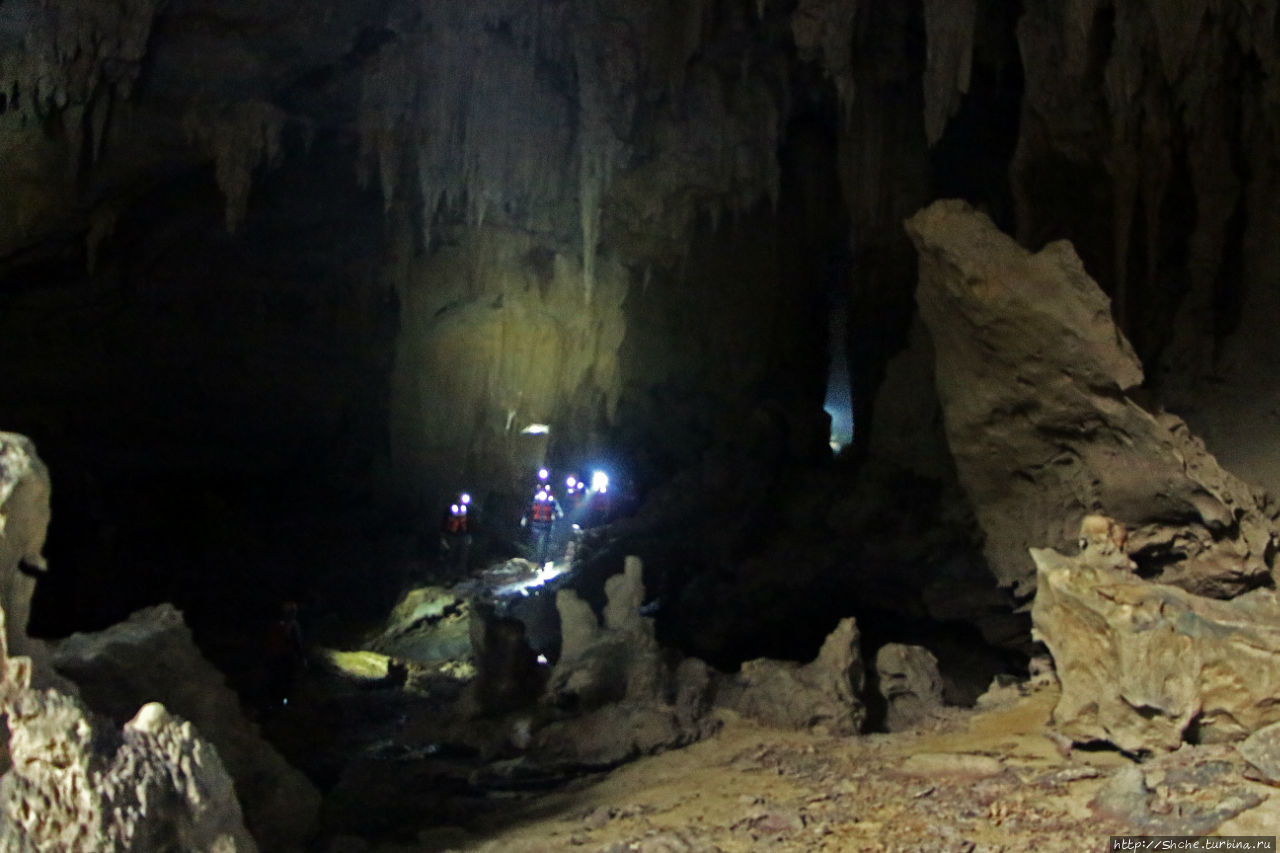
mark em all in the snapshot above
pixel 573 198
pixel 343 253
pixel 255 267
pixel 495 335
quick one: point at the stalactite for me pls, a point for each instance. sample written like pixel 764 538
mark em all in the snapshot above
pixel 240 138
pixel 1077 24
pixel 690 36
pixel 1178 75
pixel 823 31
pixel 514 111
pixel 949 28
pixel 74 59
pixel 490 134
pixel 599 149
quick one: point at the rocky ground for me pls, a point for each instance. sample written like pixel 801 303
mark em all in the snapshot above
pixel 988 779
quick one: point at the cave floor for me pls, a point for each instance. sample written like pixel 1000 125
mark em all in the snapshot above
pixel 988 779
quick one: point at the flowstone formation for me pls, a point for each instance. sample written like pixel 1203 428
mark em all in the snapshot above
pixel 1033 379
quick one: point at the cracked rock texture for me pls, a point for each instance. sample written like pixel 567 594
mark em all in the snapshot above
pixel 78 784
pixel 825 692
pixel 151 657
pixel 1147 666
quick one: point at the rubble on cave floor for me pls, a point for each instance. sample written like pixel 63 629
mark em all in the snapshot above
pixel 417 771
pixel 984 779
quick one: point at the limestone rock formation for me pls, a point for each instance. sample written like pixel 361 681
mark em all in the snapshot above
pixel 24 518
pixel 1032 375
pixel 80 785
pixel 616 662
pixel 910 683
pixel 428 623
pixel 626 699
pixel 1146 666
pixel 1262 750
pixel 825 692
pixel 152 657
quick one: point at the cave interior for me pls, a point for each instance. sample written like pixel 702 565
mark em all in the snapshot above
pixel 279 280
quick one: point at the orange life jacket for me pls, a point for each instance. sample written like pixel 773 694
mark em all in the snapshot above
pixel 457 520
pixel 542 511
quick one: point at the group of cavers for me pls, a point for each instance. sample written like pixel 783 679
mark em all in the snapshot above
pixel 585 504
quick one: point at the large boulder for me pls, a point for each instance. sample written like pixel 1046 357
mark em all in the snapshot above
pixel 825 692
pixel 1146 666
pixel 1033 376
pixel 428 624
pixel 79 784
pixel 152 657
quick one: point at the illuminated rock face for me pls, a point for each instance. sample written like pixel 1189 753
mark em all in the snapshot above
pixel 1146 666
pixel 151 657
pixel 496 334
pixel 1033 379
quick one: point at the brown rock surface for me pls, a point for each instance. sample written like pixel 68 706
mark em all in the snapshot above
pixel 824 692
pixel 1032 375
pixel 24 518
pixel 908 679
pixel 756 788
pixel 1146 666
pixel 152 657
pixel 78 785
pixel 635 703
